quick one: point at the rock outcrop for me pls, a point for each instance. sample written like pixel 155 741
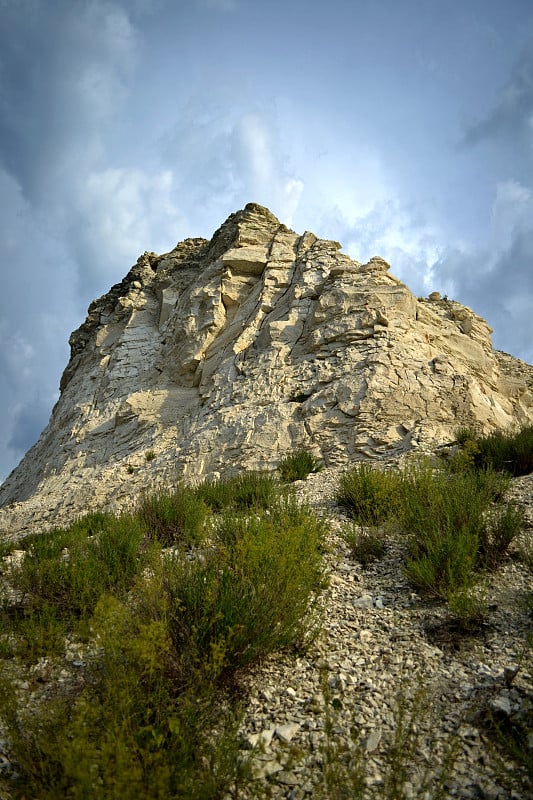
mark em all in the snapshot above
pixel 228 354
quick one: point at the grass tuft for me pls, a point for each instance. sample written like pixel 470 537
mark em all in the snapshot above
pixel 173 517
pixel 245 492
pixel 366 544
pixel 298 465
pixel 370 494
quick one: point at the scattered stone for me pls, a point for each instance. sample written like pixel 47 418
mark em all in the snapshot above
pixel 286 733
pixel 365 601
pixel 370 669
pixel 501 704
pixel 373 741
pixel 265 769
pixel 262 739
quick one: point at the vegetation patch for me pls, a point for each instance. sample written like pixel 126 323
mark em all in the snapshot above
pixel 366 544
pixel 173 517
pixel 501 451
pixel 297 466
pixel 146 708
pixel 245 492
pixel 452 529
pixel 454 520
pixel 371 495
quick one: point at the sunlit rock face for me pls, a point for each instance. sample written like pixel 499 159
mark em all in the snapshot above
pixel 228 354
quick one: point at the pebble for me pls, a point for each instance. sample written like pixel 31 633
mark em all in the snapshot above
pixel 286 733
pixel 365 601
pixel 373 741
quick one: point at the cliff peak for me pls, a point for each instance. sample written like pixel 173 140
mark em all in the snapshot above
pixel 230 353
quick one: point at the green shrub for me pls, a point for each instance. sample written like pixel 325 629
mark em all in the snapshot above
pixel 245 492
pixel 501 451
pixel 298 465
pixel 464 435
pixel 365 545
pixel 71 568
pixel 502 529
pixel 173 517
pixel 41 633
pixel 464 458
pixel 255 594
pixel 511 452
pixel 450 531
pixel 371 495
pixel 127 732
pixel 148 716
pixel 468 607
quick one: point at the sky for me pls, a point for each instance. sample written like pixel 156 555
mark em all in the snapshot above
pixel 401 128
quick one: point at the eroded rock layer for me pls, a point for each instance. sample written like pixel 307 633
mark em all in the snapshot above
pixel 228 354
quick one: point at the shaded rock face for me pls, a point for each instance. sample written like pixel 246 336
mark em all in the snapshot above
pixel 228 354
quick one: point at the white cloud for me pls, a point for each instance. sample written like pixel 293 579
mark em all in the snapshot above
pixel 497 282
pixel 18 354
pixel 122 213
pixel 512 109
pixel 223 157
pixel 71 80
pixel 390 229
pixel 259 166
pixel 512 212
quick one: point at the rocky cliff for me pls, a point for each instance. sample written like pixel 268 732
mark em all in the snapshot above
pixel 227 354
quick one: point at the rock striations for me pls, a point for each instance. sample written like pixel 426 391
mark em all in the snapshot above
pixel 227 354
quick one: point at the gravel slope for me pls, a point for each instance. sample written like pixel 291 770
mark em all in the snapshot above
pixel 381 641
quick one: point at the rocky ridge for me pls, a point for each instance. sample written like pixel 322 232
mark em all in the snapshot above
pixel 227 354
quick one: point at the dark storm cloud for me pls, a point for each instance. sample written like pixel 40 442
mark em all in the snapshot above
pixel 511 117
pixel 62 66
pixel 28 423
pixel 482 281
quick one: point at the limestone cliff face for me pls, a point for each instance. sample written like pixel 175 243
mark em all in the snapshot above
pixel 228 354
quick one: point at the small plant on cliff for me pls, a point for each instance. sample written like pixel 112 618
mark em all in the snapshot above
pixel 455 531
pixel 68 569
pixel 298 465
pixel 501 451
pixel 244 492
pixel 512 452
pixel 370 494
pixel 454 521
pixel 366 545
pixel 173 517
pixel 252 594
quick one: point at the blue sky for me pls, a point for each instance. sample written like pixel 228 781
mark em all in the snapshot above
pixel 402 128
